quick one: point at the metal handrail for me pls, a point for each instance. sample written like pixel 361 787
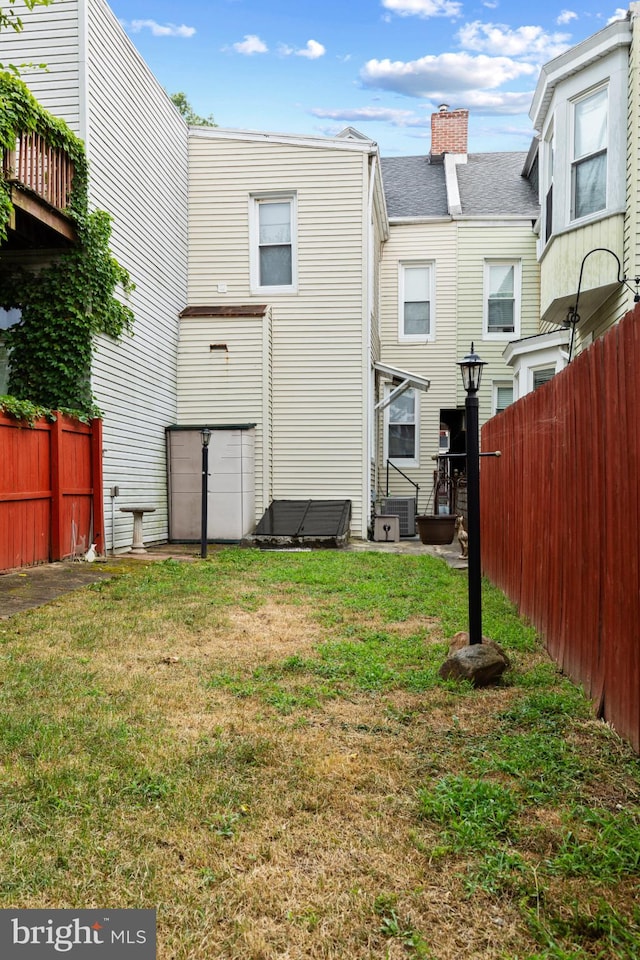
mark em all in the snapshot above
pixel 398 470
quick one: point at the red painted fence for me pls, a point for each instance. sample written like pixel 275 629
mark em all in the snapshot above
pixel 560 518
pixel 50 490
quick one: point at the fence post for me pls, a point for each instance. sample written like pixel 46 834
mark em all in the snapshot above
pixel 96 486
pixel 55 435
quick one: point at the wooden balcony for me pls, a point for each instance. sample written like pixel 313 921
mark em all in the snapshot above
pixel 40 178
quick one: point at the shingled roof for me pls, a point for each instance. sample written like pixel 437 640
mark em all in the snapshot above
pixel 414 187
pixel 490 184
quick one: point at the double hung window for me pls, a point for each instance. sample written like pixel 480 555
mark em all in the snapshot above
pixel 273 226
pixel 415 307
pixel 502 299
pixel 589 166
pixel 401 434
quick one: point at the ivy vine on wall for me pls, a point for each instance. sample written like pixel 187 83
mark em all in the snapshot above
pixel 65 302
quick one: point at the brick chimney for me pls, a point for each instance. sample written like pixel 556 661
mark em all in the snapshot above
pixel 449 129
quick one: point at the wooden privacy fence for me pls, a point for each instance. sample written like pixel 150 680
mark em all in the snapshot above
pixel 50 490
pixel 560 518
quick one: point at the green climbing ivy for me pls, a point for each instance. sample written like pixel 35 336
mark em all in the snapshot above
pixel 66 302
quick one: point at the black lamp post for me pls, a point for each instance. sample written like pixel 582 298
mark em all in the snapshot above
pixel 205 436
pixel 471 370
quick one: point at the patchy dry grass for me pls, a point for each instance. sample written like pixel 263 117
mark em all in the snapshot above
pixel 259 746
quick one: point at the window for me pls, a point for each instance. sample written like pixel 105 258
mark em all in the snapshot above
pixel 502 396
pixel 7 319
pixel 273 266
pixel 502 299
pixel 548 202
pixel 542 375
pixel 401 433
pixel 415 312
pixel 589 169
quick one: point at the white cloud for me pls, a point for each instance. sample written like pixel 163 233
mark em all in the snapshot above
pixel 441 78
pixel 250 45
pixel 162 29
pixel 491 4
pixel 566 16
pixel 528 43
pixel 619 14
pixel 312 51
pixel 424 8
pixel 397 118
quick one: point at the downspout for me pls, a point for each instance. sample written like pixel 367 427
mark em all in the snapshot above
pixel 370 305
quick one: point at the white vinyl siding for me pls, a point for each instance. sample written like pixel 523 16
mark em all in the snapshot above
pixel 230 385
pixel 589 167
pixel 501 299
pixel 137 147
pixel 53 36
pixel 320 363
pixel 415 302
pixel 499 242
pixel 432 243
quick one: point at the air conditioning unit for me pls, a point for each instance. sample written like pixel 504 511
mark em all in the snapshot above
pixel 405 509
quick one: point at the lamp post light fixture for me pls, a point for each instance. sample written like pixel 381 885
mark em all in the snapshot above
pixel 471 370
pixel 205 436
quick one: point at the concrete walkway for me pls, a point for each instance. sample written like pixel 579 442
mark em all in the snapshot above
pixel 31 587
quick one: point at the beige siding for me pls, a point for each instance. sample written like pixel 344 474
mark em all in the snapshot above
pixel 319 435
pixel 479 242
pixel 435 360
pixel 137 146
pixel 230 384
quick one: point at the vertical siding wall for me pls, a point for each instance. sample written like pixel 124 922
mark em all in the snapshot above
pixel 318 360
pixel 50 490
pixel 137 146
pixel 560 518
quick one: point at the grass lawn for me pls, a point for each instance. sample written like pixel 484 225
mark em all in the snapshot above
pixel 258 745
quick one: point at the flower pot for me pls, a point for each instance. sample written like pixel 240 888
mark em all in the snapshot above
pixel 436 528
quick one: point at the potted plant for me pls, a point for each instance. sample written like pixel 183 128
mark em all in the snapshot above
pixel 436 527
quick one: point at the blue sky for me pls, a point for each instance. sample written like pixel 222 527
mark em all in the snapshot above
pixel 382 66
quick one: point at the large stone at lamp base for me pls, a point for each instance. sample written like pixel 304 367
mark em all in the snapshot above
pixel 480 663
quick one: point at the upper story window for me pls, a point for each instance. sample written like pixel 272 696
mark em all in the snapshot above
pixel 273 235
pixel 589 161
pixel 549 147
pixel 502 299
pixel 415 308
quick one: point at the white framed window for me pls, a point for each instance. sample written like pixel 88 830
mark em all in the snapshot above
pixel 402 429
pixel 501 299
pixel 272 227
pixel 502 395
pixel 541 375
pixel 416 315
pixel 549 157
pixel 589 154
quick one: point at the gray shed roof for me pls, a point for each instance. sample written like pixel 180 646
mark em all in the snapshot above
pixel 490 184
pixel 414 187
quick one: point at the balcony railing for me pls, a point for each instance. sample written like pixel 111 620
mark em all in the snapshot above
pixel 45 170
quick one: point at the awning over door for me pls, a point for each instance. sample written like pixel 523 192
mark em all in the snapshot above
pixel 401 379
